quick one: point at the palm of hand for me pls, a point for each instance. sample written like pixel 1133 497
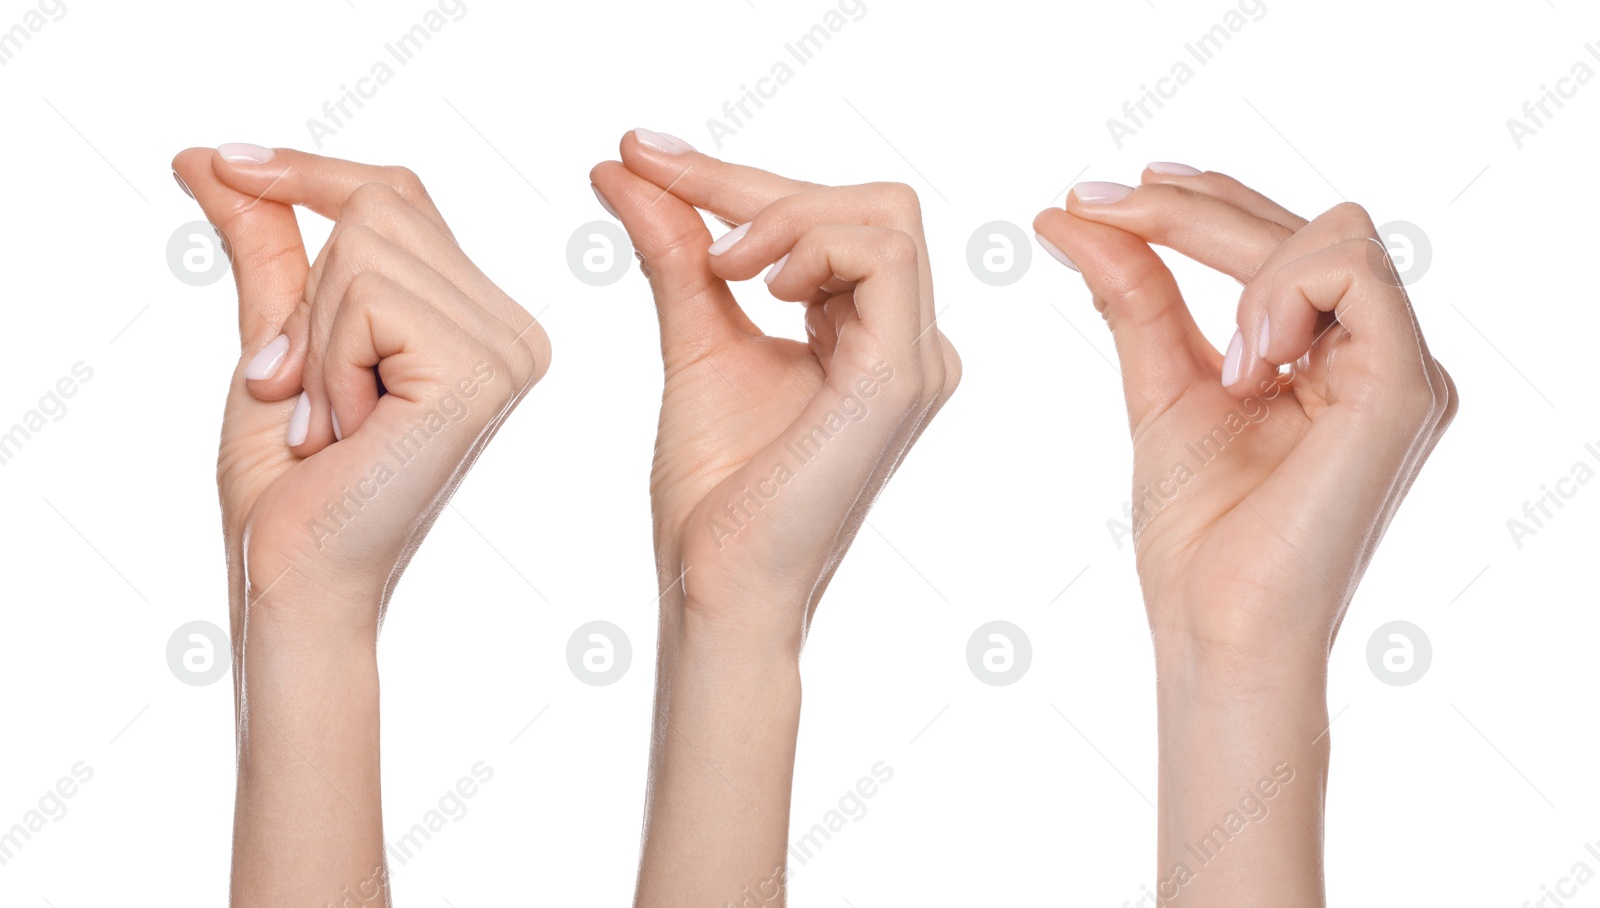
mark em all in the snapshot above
pixel 1202 471
pixel 719 412
pixel 282 511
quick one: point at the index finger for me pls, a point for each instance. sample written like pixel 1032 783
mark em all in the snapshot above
pixel 312 181
pixel 269 256
pixel 731 191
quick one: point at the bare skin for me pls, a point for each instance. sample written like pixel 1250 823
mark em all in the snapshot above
pixel 754 506
pixel 320 522
pixel 1259 498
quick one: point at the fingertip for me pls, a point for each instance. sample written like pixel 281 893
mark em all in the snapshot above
pixel 1095 193
pixel 243 154
pixel 299 428
pixel 659 142
pixel 1156 171
pixel 1050 222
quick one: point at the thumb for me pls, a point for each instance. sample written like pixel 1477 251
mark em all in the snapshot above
pixel 1161 350
pixel 698 312
pixel 269 256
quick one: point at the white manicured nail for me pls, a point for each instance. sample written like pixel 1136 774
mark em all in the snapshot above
pixel 1100 193
pixel 266 363
pixel 603 203
pixel 1055 251
pixel 772 273
pixel 728 239
pixel 300 421
pixel 1172 169
pixel 1232 362
pixel 338 433
pixel 1266 337
pixel 660 141
pixel 245 153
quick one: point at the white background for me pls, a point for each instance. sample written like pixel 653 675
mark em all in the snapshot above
pixel 1473 786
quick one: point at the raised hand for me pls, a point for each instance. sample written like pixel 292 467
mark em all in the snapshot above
pixel 1259 495
pixel 770 452
pixel 368 384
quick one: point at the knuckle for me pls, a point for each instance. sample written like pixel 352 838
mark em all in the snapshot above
pixel 523 359
pixel 366 288
pixel 953 367
pixel 371 199
pixel 1352 216
pixel 403 179
pixel 896 247
pixel 350 247
pixel 898 197
pixel 1451 402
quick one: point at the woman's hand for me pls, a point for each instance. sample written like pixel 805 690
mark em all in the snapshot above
pixel 328 487
pixel 769 453
pixel 329 480
pixel 770 450
pixel 1259 498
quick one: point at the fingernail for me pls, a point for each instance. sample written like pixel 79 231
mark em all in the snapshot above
pixel 1101 193
pixel 245 153
pixel 1055 251
pixel 182 185
pixel 338 433
pixel 1231 362
pixel 728 239
pixel 1266 337
pixel 300 421
pixel 662 142
pixel 265 364
pixel 1168 167
pixel 670 137
pixel 772 273
pixel 603 203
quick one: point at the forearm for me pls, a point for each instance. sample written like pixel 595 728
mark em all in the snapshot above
pixel 721 765
pixel 1243 775
pixel 308 825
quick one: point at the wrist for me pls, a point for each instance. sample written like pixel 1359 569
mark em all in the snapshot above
pixel 738 652
pixel 708 618
pixel 1222 642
